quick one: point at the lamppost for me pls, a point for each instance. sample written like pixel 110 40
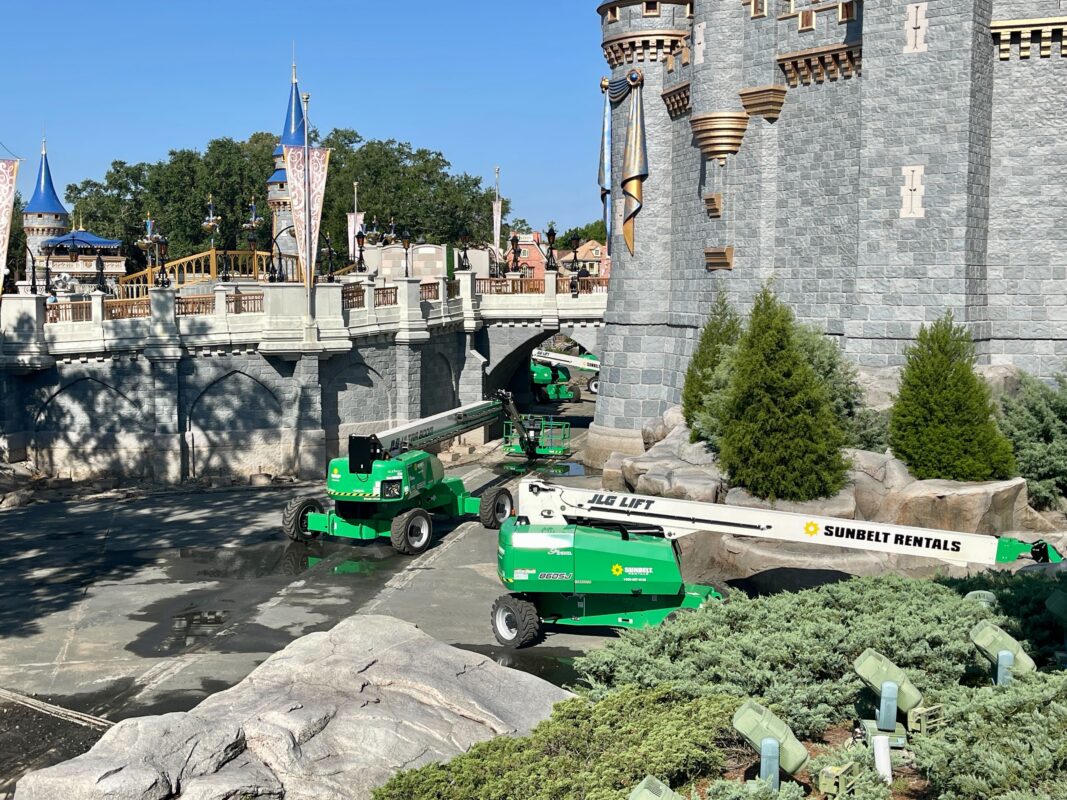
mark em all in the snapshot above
pixel 329 259
pixel 152 242
pixel 212 220
pixel 464 242
pixel 100 285
pixel 551 265
pixel 254 221
pixel 575 244
pixel 33 270
pixel 515 251
pixel 278 275
pixel 406 241
pixel 47 250
pixel 361 238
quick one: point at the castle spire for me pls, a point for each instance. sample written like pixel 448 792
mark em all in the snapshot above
pixel 44 199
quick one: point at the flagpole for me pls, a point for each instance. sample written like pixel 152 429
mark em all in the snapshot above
pixel 309 267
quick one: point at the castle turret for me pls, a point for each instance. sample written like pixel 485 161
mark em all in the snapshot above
pixel 44 216
pixel 277 185
pixel 642 41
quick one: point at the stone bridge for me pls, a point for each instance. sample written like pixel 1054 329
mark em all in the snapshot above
pixel 241 380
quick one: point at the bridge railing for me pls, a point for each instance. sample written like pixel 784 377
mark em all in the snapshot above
pixel 213 265
pixel 566 285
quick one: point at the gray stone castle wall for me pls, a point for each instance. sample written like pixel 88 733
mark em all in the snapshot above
pixel 813 201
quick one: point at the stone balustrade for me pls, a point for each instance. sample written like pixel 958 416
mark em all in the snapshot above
pixel 275 318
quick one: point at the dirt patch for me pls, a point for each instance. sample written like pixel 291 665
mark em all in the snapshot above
pixel 30 739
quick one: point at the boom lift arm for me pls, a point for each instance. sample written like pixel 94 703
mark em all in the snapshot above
pixel 586 364
pixel 543 503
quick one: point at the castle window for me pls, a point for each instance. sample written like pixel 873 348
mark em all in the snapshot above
pixel 790 6
pixel 613 14
pixel 651 8
pixel 806 20
pixel 759 8
pixel 846 12
pixel 40 216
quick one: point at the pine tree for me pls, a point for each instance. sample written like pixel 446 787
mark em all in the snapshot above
pixel 722 329
pixel 781 439
pixel 941 424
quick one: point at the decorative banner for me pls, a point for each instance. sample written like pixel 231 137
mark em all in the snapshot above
pixel 307 188
pixel 635 157
pixel 355 225
pixel 605 162
pixel 9 170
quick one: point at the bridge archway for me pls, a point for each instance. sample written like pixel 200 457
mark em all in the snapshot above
pixel 235 426
pixel 355 400
pixel 511 348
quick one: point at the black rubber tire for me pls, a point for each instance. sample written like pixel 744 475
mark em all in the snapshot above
pixel 577 394
pixel 401 529
pixel 540 395
pixel 496 506
pixel 294 518
pixel 593 385
pixel 515 621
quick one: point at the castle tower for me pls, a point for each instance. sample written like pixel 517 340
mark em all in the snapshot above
pixel 277 187
pixel 640 345
pixel 44 216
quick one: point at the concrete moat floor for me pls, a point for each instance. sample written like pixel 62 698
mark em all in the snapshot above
pixel 123 608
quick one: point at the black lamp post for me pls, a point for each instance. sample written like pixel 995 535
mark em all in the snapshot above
pixel 253 223
pixel 464 242
pixel 515 251
pixel 406 241
pixel 575 244
pixel 33 271
pixel 361 239
pixel 212 220
pixel 47 250
pixel 329 259
pixel 277 275
pixel 551 265
pixel 100 285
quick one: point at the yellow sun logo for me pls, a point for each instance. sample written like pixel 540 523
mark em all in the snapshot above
pixel 812 529
pixel 616 570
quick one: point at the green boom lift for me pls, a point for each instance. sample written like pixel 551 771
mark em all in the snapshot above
pixel 550 374
pixel 388 487
pixel 585 557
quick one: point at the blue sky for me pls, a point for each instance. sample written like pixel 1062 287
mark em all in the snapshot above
pixel 509 83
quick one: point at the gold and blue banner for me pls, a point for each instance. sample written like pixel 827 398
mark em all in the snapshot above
pixel 635 156
pixel 307 189
pixel 9 172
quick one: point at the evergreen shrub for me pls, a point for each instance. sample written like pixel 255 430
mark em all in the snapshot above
pixel 869 784
pixel 1004 742
pixel 722 330
pixel 780 438
pixel 757 790
pixel 795 650
pixel 869 430
pixel 942 424
pixel 593 750
pixel 1035 421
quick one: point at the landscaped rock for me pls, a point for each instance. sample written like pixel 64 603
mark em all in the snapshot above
pixel 260 479
pixel 702 484
pixel 17 498
pixel 654 431
pixel 330 717
pixel 1002 379
pixel 842 505
pixel 655 482
pixel 611 476
pixel 988 507
pixel 673 417
pixel 878 385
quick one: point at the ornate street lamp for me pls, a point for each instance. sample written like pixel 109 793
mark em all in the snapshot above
pixel 251 226
pixel 47 250
pixel 406 241
pixel 212 220
pixel 329 259
pixel 464 241
pixel 100 285
pixel 361 239
pixel 515 251
pixel 575 244
pixel 551 265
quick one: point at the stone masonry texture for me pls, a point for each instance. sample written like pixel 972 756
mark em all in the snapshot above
pixel 812 202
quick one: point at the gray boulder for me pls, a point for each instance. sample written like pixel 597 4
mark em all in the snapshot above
pixel 988 507
pixel 611 477
pixel 878 385
pixel 702 484
pixel 653 431
pixel 330 717
pixel 17 498
pixel 673 417
pixel 842 505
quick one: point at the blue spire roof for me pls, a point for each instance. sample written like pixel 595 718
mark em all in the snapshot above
pixel 293 132
pixel 44 200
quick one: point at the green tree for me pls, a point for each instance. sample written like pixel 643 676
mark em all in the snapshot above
pixel 722 329
pixel 595 230
pixel 1035 421
pixel 781 439
pixel 942 424
pixel 16 245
